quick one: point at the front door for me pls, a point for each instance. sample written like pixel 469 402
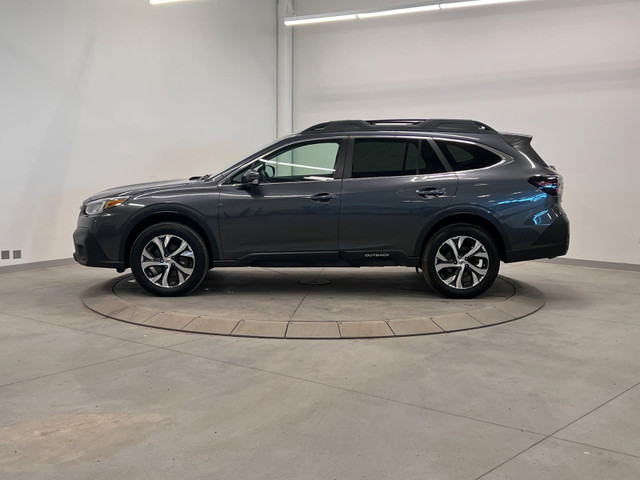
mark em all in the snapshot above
pixel 293 210
pixel 392 188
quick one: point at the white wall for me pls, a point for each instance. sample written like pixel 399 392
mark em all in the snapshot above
pixel 99 93
pixel 565 71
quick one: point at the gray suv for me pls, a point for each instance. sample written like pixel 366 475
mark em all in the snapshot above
pixel 451 197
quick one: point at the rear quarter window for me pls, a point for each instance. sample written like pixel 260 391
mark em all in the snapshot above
pixel 467 156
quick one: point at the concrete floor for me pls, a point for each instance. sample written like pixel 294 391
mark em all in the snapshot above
pixel 553 395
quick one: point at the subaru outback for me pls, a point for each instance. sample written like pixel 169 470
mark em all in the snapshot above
pixel 453 198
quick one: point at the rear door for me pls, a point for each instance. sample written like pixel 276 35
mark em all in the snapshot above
pixel 392 187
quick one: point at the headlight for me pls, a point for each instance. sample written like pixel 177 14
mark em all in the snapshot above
pixel 99 206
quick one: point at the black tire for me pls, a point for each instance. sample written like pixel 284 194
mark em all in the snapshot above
pixel 171 267
pixel 470 283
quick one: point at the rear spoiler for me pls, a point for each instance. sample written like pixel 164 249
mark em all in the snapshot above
pixel 522 143
pixel 517 139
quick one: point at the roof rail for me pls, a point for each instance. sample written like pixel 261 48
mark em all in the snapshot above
pixel 394 121
pixel 455 125
pixel 339 125
pixel 440 125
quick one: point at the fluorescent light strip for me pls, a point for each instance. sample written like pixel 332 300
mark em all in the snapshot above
pixel 305 21
pixel 476 3
pixel 292 21
pixel 399 11
pixel 160 2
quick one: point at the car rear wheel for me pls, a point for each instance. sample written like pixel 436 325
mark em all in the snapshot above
pixel 169 259
pixel 460 261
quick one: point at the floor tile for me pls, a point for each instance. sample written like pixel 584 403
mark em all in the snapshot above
pixel 31 349
pixel 614 426
pixel 230 421
pixel 557 460
pixel 313 330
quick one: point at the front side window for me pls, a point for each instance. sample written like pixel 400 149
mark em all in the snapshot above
pixel 467 156
pixel 308 162
pixel 378 157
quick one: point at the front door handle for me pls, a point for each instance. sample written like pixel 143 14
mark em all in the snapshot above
pixel 322 197
pixel 431 192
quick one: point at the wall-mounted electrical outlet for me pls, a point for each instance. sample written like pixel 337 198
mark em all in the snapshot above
pixel 5 254
pixel 17 254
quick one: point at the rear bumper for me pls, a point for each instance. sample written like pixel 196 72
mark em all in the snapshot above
pixel 554 242
pixel 89 252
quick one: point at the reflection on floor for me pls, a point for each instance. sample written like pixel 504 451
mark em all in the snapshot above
pixel 554 395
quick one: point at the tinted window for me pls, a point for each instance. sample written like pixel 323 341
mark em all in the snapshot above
pixel 467 156
pixel 429 161
pixel 313 161
pixel 384 158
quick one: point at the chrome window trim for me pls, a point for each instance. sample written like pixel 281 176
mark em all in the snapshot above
pixel 426 176
pixel 307 182
pixel 506 159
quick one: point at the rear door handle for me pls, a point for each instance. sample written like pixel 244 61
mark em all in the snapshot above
pixel 431 191
pixel 322 197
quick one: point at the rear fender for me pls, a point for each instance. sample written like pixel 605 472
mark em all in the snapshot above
pixel 470 214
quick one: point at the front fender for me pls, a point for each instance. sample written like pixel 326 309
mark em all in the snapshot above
pixel 169 212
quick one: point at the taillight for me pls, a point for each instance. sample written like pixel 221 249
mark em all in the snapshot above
pixel 551 184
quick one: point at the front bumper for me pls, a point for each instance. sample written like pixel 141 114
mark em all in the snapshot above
pixel 554 242
pixel 89 252
pixel 97 240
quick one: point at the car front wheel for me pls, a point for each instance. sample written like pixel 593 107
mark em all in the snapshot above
pixel 169 259
pixel 460 261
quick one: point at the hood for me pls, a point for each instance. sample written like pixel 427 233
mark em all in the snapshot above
pixel 138 189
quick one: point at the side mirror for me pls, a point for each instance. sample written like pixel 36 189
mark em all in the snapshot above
pixel 251 177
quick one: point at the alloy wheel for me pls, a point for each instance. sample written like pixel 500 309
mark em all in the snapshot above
pixel 462 262
pixel 167 261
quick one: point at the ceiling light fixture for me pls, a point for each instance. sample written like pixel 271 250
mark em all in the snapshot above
pixel 317 19
pixel 364 14
pixel 476 3
pixel 399 11
pixel 160 2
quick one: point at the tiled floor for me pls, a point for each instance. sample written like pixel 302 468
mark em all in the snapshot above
pixel 266 302
pixel 553 395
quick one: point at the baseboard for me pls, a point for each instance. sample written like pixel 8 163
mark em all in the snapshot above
pixel 20 267
pixel 575 262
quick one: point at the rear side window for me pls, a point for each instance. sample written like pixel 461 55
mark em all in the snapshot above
pixel 375 157
pixel 467 156
pixel 384 158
